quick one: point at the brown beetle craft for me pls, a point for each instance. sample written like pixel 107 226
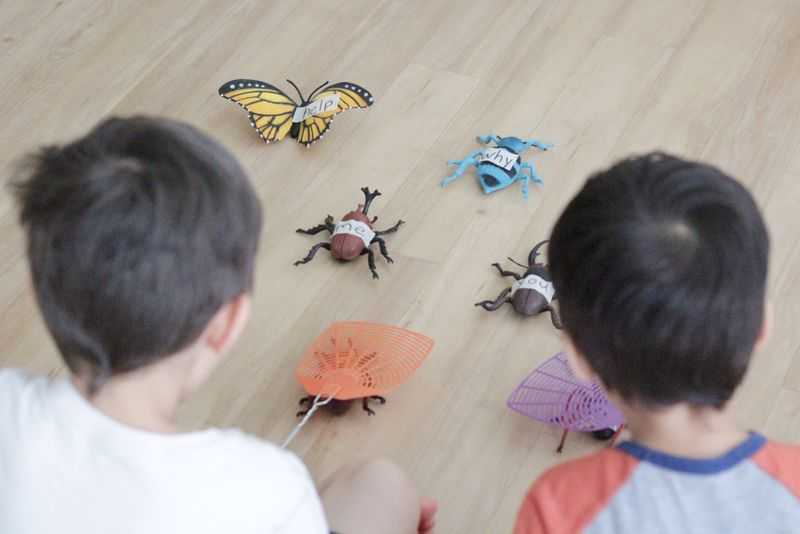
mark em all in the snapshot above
pixel 353 236
pixel 340 407
pixel 531 293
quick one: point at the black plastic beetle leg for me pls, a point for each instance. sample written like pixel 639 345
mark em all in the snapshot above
pixel 365 403
pixel 492 305
pixel 391 230
pixel 312 252
pixel 371 261
pixel 305 400
pixel 506 273
pixel 327 225
pixel 368 198
pixel 314 230
pixel 554 316
pixel 563 439
pixel 382 244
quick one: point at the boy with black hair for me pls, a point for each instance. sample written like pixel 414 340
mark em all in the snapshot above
pixel 141 240
pixel 660 266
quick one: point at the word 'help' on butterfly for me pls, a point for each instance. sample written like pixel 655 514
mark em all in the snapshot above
pixel 274 114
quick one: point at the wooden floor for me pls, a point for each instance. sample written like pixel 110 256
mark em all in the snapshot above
pixel 711 79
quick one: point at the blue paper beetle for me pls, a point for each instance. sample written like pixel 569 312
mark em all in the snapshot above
pixel 500 166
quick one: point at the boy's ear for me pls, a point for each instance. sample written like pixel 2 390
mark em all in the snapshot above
pixel 577 363
pixel 227 324
pixel 766 327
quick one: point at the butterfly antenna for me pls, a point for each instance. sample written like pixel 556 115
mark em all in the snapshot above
pixel 515 262
pixel 317 89
pixel 290 82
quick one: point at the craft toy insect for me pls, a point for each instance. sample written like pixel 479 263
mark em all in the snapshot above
pixel 274 114
pixel 353 236
pixel 531 293
pixel 341 407
pixel 359 360
pixel 501 165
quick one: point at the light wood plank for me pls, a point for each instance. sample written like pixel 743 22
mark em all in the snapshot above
pixel 711 79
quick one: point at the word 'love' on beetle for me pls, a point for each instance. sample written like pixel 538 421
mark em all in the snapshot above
pixel 352 236
pixel 531 293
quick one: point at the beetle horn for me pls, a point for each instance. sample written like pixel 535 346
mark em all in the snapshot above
pixel 368 198
pixel 535 252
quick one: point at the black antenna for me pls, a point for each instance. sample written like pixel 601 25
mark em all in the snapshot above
pixel 512 260
pixel 317 89
pixel 302 100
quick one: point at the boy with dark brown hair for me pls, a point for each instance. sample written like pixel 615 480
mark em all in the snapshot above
pixel 660 266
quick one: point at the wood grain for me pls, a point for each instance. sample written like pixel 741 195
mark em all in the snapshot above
pixel 711 79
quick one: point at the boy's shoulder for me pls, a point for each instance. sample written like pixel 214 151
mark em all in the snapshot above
pixel 566 497
pixel 28 400
pixel 11 379
pixel 570 496
pixel 239 450
pixel 16 385
pixel 782 462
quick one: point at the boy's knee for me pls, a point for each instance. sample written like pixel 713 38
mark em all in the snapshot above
pixel 385 473
pixel 372 496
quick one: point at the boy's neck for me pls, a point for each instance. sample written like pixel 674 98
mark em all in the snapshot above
pixel 684 430
pixel 146 399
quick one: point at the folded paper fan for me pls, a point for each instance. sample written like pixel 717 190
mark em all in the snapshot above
pixel 552 394
pixel 350 360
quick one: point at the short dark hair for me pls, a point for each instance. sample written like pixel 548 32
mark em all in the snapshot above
pixel 137 234
pixel 660 268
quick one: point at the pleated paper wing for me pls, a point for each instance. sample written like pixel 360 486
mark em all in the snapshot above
pixel 552 394
pixel 350 360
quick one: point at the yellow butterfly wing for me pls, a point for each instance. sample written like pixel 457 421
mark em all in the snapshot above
pixel 270 109
pixel 332 100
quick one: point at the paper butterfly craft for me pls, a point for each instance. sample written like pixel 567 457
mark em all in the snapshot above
pixel 274 114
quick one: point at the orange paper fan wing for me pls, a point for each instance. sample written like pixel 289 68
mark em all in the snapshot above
pixel 350 360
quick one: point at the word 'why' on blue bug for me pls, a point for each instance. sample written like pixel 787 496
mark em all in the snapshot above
pixel 500 165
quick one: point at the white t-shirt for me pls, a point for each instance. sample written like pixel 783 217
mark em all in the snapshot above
pixel 67 468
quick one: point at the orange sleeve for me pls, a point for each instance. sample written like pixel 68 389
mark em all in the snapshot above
pixel 566 498
pixel 782 462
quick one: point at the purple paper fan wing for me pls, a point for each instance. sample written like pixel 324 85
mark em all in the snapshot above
pixel 552 394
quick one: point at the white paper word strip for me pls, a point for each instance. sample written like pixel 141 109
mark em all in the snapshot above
pixel 356 228
pixel 317 107
pixel 500 157
pixel 538 284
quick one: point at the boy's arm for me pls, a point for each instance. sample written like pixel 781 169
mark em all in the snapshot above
pixel 568 497
pixel 781 462
pixel 531 518
pixel 307 517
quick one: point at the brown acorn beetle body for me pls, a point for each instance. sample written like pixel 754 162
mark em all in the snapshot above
pixel 346 247
pixel 353 236
pixel 531 294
